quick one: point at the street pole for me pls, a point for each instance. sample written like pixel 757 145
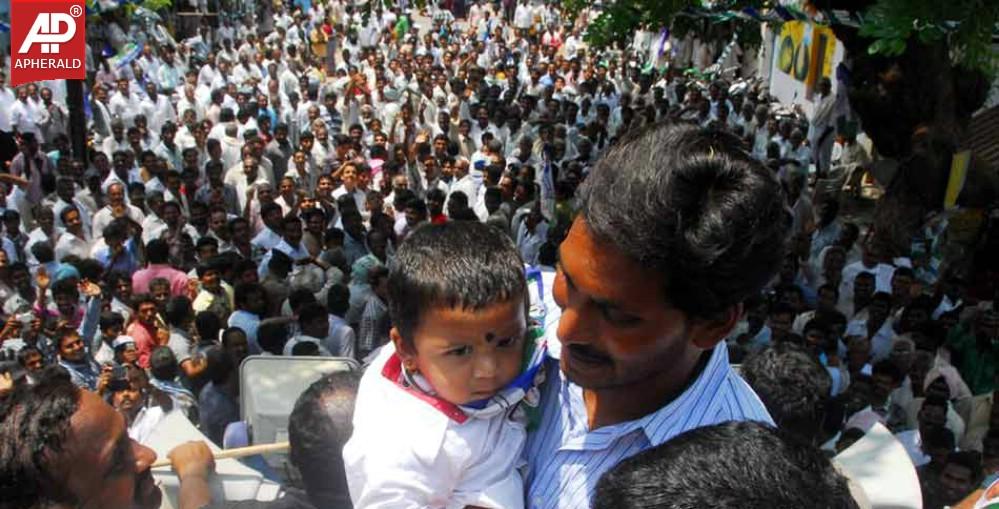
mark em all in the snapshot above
pixel 77 119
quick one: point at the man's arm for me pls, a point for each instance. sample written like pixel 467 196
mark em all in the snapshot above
pixel 194 463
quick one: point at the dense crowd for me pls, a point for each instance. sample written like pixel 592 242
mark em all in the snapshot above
pixel 264 188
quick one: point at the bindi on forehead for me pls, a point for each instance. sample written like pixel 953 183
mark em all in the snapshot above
pixel 490 337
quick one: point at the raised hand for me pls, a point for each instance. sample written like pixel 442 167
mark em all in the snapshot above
pixel 42 279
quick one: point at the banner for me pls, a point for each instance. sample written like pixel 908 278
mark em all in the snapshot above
pixel 804 53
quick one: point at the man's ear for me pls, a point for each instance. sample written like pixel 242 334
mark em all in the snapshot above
pixel 706 333
pixel 406 353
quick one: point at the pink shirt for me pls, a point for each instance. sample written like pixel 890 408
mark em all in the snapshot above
pixel 177 279
pixel 145 341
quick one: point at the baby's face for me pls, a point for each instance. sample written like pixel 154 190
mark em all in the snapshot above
pixel 468 355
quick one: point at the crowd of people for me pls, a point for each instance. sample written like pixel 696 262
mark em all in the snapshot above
pixel 369 182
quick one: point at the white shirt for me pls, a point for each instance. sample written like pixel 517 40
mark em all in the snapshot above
pixel 359 198
pixel 70 244
pixel 341 340
pixel 266 239
pixel 296 253
pixel 443 459
pixel 104 217
pixel 913 444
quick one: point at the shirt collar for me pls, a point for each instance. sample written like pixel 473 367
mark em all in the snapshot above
pixel 657 426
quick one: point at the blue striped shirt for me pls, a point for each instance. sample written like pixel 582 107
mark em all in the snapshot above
pixel 565 460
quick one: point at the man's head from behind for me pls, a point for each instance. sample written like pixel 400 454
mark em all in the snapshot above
pixel 318 427
pixel 676 229
pixel 794 387
pixel 744 465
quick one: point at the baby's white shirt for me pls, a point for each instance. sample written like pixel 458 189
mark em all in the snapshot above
pixel 412 450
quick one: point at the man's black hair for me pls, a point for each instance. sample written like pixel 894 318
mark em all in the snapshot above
pixel 178 311
pixel 300 297
pixel 338 299
pixel 110 319
pixel 305 348
pixel 243 291
pixel 689 204
pixel 43 252
pixel 163 364
pixel 939 437
pixel 272 336
pixel 280 263
pixel 453 265
pixel 318 427
pixel 157 251
pixel 745 465
pixel 220 365
pixel 794 387
pixel 311 311
pixel 208 324
pixel 888 368
pixel 35 423
pixel 65 286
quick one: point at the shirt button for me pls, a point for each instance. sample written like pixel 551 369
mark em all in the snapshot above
pixel 537 502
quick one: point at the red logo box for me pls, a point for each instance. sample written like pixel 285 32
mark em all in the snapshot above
pixel 48 40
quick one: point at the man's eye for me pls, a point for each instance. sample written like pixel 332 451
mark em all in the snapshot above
pixel 460 351
pixel 508 342
pixel 620 319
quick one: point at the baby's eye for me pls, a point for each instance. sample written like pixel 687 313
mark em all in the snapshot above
pixel 460 351
pixel 507 342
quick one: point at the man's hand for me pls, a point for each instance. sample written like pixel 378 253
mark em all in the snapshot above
pixel 90 288
pixel 11 329
pixel 162 336
pixel 104 379
pixel 192 459
pixel 42 279
pixel 6 383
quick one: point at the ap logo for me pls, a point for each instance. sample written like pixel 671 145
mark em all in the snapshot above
pixel 49 39
pixel 50 30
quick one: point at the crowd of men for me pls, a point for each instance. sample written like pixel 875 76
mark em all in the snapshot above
pixel 244 191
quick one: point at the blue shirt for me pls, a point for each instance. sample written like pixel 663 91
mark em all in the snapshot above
pixel 126 263
pixel 565 459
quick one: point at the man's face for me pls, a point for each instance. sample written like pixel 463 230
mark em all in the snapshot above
pixel 147 313
pixel 293 232
pixel 171 215
pixel 957 482
pixel 616 328
pixel 273 219
pixel 780 323
pixel 73 222
pixel 71 348
pixel 863 288
pixel 100 466
pixel 932 416
pixel 33 362
pixel 238 348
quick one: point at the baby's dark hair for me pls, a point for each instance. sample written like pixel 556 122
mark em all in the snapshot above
pixel 468 265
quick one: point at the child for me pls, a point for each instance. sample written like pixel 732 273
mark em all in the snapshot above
pixel 437 422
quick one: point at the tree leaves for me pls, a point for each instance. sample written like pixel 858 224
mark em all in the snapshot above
pixel 966 26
